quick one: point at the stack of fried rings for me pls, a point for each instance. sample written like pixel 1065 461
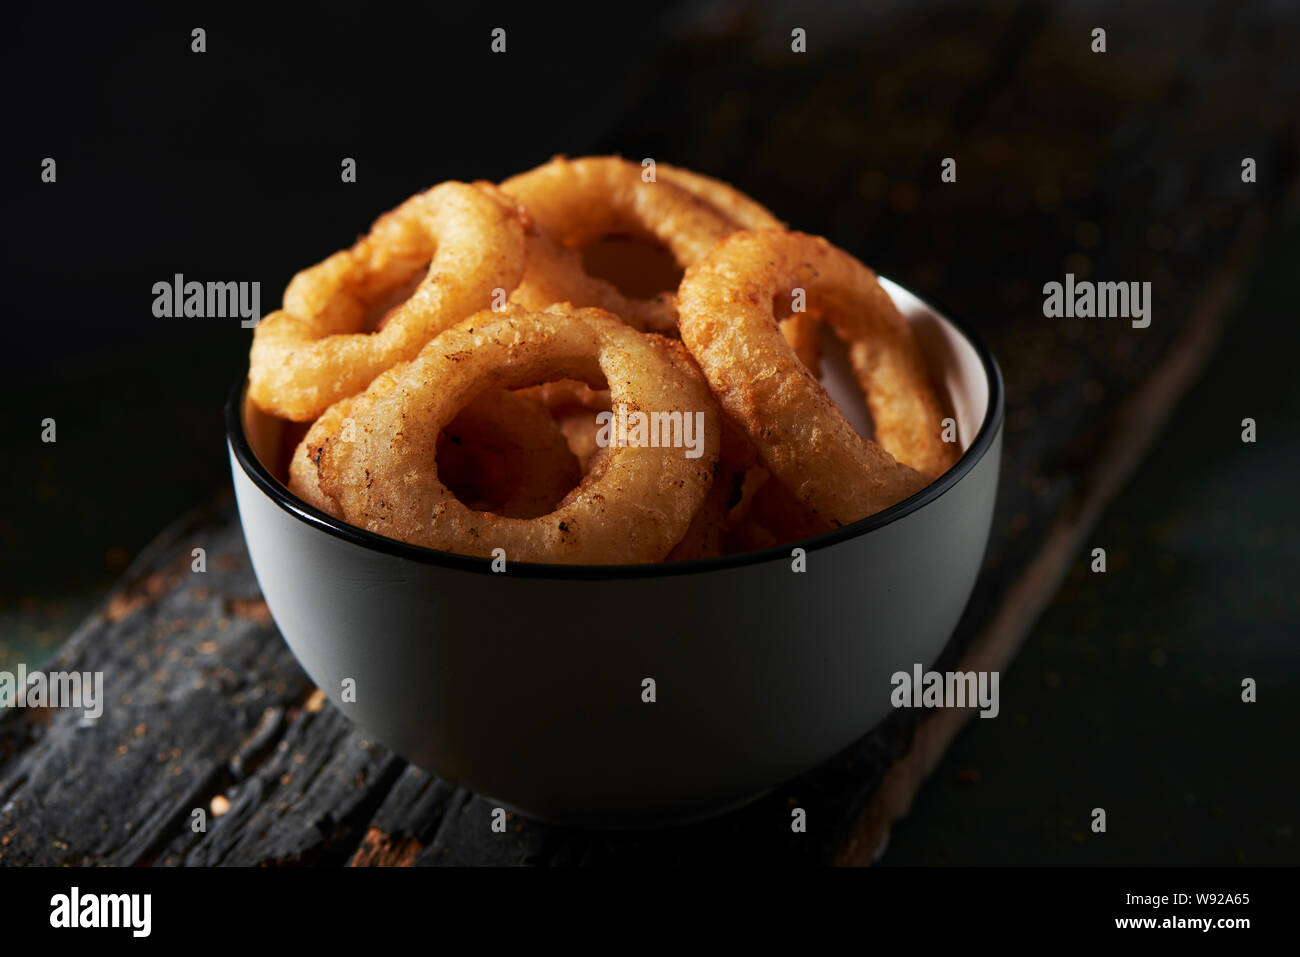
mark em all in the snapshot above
pixel 453 369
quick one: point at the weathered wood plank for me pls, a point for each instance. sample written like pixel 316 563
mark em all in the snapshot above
pixel 995 645
pixel 190 663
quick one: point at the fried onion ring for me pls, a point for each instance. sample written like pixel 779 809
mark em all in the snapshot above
pixel 802 331
pixel 728 323
pixel 564 395
pixel 304 480
pixel 503 445
pixel 574 202
pixel 315 351
pixel 633 506
pixel 744 211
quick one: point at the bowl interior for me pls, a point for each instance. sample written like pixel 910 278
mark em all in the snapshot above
pixel 955 365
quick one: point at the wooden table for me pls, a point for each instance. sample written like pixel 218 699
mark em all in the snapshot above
pixel 1121 166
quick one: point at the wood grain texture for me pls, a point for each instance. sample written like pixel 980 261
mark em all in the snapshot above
pixel 993 648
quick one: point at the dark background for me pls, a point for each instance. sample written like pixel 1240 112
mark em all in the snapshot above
pixel 225 166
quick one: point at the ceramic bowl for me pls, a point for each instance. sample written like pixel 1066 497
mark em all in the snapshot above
pixel 529 686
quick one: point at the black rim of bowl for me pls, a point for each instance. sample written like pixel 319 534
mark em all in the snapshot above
pixel 296 507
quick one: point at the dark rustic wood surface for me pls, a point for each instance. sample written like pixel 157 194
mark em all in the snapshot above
pixel 1126 691
pixel 1122 166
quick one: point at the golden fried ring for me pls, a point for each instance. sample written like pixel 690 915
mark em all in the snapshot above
pixel 743 210
pixel 634 505
pixel 727 322
pixel 554 275
pixel 507 428
pixel 802 330
pixel 574 202
pixel 564 395
pixel 315 351
pixel 704 535
pixel 304 480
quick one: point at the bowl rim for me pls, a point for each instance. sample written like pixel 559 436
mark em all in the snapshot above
pixel 267 483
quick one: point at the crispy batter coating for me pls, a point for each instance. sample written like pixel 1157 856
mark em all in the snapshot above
pixel 744 211
pixel 438 421
pixel 728 323
pixel 570 203
pixel 502 453
pixel 633 506
pixel 316 349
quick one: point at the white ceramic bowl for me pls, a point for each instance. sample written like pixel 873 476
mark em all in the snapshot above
pixel 527 686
